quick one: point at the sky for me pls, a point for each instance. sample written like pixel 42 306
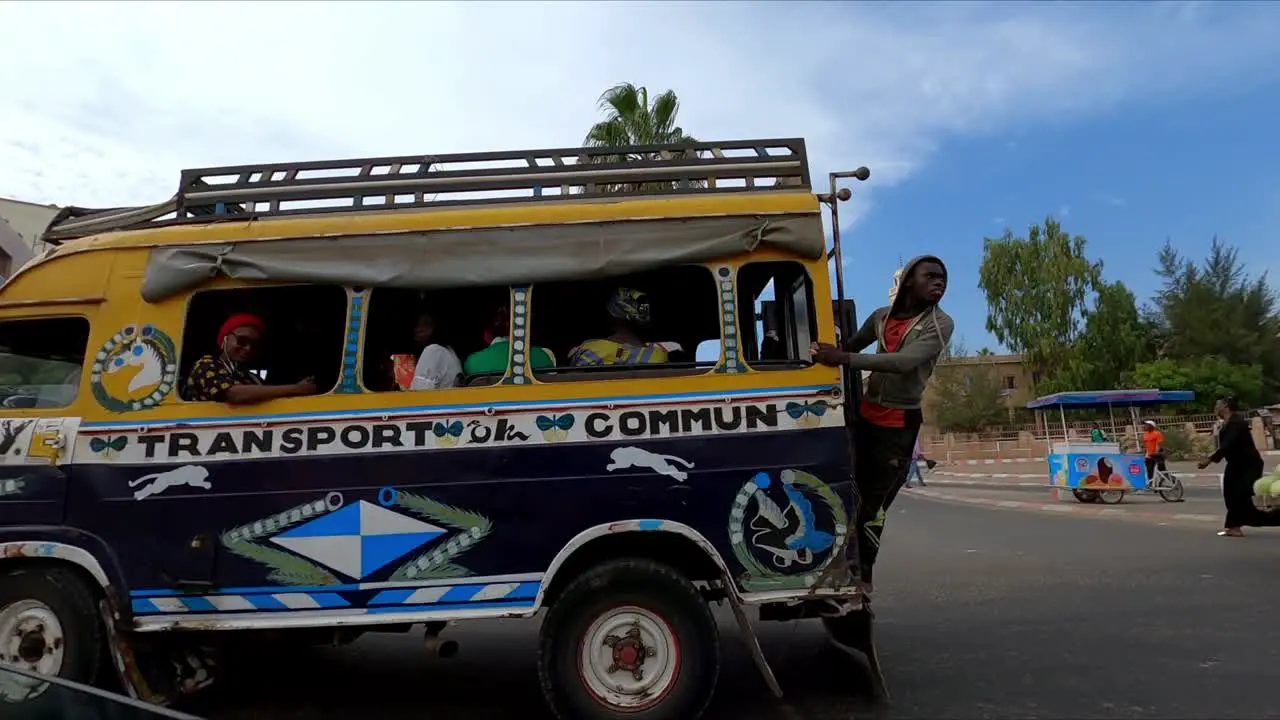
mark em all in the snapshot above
pixel 1130 123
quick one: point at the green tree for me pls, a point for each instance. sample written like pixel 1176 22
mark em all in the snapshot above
pixel 631 118
pixel 1115 339
pixel 1037 291
pixel 1216 310
pixel 1209 377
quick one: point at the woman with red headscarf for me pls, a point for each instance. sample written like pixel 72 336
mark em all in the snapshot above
pixel 225 377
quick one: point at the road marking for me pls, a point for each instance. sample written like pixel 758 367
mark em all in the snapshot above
pixel 1201 517
pixel 1069 509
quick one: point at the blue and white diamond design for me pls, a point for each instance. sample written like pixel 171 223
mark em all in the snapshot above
pixel 358 539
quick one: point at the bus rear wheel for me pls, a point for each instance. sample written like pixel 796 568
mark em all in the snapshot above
pixel 632 639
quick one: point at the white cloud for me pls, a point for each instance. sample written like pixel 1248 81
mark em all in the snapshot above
pixel 103 103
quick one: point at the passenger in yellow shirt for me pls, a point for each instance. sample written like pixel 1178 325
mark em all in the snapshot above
pixel 629 310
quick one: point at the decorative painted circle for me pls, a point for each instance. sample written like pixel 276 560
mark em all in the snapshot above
pixel 629 658
pixel 388 496
pixel 151 352
pixel 786 538
pixel 333 500
pixel 31 638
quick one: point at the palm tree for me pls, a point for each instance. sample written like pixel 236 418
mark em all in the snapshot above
pixel 630 119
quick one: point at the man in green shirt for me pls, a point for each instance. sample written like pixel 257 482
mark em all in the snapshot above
pixel 493 359
pixel 1096 434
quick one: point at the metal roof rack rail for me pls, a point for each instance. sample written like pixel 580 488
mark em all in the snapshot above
pixel 248 192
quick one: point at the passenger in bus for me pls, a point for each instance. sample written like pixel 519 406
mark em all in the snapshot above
pixel 629 312
pixel 435 365
pixel 493 359
pixel 225 377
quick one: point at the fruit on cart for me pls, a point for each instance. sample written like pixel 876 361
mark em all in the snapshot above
pixel 1275 488
pixel 1262 486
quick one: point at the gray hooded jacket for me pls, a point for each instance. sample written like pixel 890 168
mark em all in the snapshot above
pixel 898 379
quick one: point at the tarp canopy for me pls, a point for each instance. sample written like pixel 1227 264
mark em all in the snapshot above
pixel 1111 398
pixel 481 257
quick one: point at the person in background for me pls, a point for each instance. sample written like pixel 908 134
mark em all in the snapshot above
pixel 1153 444
pixel 225 377
pixel 1097 435
pixel 437 365
pixel 493 359
pixel 629 312
pixel 1244 467
pixel 912 334
pixel 913 471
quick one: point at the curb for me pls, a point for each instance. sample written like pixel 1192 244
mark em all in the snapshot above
pixel 1061 508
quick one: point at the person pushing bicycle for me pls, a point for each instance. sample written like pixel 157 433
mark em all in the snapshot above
pixel 1153 443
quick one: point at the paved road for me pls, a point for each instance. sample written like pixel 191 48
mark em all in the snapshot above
pixel 984 613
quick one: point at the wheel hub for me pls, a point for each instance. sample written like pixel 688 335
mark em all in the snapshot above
pixel 31 646
pixel 629 652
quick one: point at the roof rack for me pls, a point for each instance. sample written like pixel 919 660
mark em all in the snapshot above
pixel 247 192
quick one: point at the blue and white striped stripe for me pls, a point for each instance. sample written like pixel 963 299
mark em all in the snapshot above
pixel 496 591
pixel 179 604
pixel 506 593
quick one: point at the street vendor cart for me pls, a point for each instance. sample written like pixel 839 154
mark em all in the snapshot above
pixel 1095 471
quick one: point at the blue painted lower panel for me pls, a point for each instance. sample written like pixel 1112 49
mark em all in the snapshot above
pixel 463 595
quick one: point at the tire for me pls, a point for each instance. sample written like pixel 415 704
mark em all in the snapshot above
pixel 47 604
pixel 674 623
pixel 1174 491
pixel 1086 496
pixel 1111 497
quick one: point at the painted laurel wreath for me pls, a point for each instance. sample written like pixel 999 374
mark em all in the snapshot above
pixel 758 575
pixel 147 347
pixel 471 527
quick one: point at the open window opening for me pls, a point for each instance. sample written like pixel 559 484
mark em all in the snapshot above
pixel 642 325
pixel 435 339
pixel 41 361
pixel 306 327
pixel 776 314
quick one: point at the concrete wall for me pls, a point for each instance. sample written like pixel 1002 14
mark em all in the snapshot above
pixel 28 219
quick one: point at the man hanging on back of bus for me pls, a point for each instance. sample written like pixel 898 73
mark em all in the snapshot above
pixel 911 335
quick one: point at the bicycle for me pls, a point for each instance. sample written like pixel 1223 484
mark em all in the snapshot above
pixel 1167 485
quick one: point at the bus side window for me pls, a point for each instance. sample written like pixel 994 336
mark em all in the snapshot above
pixel 776 314
pixel 683 305
pixel 41 361
pixel 306 327
pixel 402 324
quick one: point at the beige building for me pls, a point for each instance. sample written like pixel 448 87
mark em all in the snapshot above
pixel 1008 370
pixel 21 224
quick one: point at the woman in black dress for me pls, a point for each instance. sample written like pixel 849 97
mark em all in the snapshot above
pixel 1244 467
